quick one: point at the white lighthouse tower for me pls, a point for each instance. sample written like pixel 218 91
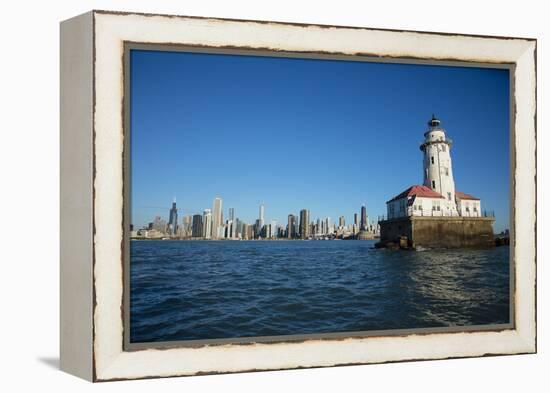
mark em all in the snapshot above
pixel 438 168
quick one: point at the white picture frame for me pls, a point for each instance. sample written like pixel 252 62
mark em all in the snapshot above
pixel 92 193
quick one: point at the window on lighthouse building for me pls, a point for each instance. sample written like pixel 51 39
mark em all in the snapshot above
pixel 432 159
pixel 433 184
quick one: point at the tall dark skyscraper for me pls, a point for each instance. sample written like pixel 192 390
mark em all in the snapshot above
pixel 291 230
pixel 257 228
pixel 363 217
pixel 197 226
pixel 304 224
pixel 173 219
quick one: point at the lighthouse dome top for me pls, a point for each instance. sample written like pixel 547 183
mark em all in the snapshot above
pixel 435 134
pixel 434 122
pixel 434 128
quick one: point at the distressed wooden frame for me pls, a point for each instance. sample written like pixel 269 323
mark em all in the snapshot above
pixel 93 243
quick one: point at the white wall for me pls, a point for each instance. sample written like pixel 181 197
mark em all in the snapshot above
pixel 29 162
pixel 469 208
pixel 441 171
pixel 425 207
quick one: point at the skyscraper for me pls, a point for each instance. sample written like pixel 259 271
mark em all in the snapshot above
pixel 197 225
pixel 342 222
pixel 232 213
pixel 238 229
pixel 355 219
pixel 173 219
pixel 244 231
pixel 216 218
pixel 291 230
pixel 304 224
pixel 261 218
pixel 159 224
pixel 257 228
pixel 187 226
pixel 207 224
pixel 363 217
pixel 229 229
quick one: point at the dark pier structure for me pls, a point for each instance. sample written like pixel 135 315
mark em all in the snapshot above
pixel 437 232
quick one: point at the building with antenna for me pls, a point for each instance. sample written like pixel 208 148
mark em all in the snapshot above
pixel 173 219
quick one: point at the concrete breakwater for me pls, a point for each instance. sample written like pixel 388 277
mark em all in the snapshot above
pixel 437 232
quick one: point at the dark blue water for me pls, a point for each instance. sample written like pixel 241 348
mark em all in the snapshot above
pixel 187 290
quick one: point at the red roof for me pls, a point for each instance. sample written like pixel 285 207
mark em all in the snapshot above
pixel 418 191
pixel 461 195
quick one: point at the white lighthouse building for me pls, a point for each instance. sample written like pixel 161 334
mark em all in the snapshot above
pixel 437 196
pixel 438 169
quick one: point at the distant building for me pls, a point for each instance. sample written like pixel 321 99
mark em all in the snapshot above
pixel 258 228
pixel 159 224
pixel 229 229
pixel 328 226
pixel 187 226
pixel 207 224
pixel 217 219
pixel 197 226
pixel 364 220
pixel 149 234
pixel 261 219
pixel 304 224
pixel 244 231
pixel 342 222
pixel 232 213
pixel 238 229
pixel 249 232
pixel 173 219
pixel 291 227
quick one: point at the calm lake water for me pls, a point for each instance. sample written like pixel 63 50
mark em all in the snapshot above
pixel 188 290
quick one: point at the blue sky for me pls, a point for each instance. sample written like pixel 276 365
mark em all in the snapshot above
pixel 324 135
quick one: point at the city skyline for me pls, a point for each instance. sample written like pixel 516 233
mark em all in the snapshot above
pixel 303 225
pixel 167 212
pixel 327 135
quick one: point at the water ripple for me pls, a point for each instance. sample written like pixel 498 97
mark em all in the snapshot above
pixel 206 289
